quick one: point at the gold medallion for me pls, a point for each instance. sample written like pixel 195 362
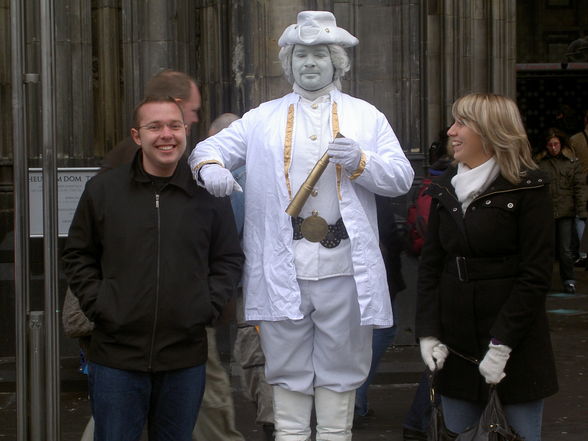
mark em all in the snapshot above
pixel 314 228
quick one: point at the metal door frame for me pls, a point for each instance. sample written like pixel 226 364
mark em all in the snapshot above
pixel 20 79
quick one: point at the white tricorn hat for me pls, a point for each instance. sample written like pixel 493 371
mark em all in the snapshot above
pixel 316 27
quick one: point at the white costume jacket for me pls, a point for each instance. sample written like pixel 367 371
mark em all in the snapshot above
pixel 258 140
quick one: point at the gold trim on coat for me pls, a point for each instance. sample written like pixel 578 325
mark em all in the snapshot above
pixel 288 148
pixel 335 121
pixel 203 163
pixel 359 170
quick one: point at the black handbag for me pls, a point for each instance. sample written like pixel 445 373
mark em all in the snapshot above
pixel 492 425
pixel 437 430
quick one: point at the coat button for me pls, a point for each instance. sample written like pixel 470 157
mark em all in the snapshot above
pixel 454 209
pixel 488 202
pixel 510 205
pixel 314 105
pixel 313 137
pixel 539 180
pixel 314 193
pixel 528 181
pixel 440 194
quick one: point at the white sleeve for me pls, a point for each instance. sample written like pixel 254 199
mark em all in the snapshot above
pixel 385 170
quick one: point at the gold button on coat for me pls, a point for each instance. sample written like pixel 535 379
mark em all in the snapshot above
pixel 313 137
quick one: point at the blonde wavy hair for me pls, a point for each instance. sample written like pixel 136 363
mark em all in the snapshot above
pixel 497 120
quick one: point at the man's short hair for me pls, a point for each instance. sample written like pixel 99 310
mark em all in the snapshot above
pixel 153 99
pixel 339 58
pixel 170 83
pixel 221 122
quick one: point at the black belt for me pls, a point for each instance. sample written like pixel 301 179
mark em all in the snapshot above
pixel 337 232
pixel 482 268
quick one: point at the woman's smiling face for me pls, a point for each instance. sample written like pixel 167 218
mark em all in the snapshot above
pixel 467 145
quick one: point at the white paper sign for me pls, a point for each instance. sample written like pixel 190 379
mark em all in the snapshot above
pixel 70 185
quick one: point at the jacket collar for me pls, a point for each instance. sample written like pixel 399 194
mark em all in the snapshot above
pixel 531 179
pixel 182 177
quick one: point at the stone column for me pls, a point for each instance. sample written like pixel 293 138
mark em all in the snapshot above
pixel 75 123
pixel 470 47
pixel 107 92
pixel 155 35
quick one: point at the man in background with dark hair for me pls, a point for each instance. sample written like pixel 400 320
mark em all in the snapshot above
pixel 177 85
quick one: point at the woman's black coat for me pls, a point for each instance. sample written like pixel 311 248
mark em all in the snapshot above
pixel 485 275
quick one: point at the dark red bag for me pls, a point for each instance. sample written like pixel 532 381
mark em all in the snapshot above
pixel 417 219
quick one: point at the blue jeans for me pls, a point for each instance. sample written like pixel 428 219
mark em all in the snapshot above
pixel 525 418
pixel 123 401
pixel 564 231
pixel 419 414
pixel 381 339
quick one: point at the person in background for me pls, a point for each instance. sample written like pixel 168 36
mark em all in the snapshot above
pixel 566 187
pixel 247 349
pixel 485 271
pixel 579 143
pixel 216 420
pixel 391 246
pixel 417 419
pixel 179 86
pixel 152 259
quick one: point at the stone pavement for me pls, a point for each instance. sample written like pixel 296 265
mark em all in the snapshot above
pixel 565 417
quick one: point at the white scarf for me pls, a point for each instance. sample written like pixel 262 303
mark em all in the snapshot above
pixel 469 183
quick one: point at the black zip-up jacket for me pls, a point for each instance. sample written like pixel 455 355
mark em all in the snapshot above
pixel 151 268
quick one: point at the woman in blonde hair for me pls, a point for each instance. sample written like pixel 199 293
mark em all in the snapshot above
pixel 485 270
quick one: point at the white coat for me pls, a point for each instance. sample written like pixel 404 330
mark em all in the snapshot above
pixel 257 140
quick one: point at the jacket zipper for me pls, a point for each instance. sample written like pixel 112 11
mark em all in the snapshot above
pixel 156 280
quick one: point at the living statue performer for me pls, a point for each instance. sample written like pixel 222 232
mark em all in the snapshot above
pixel 315 282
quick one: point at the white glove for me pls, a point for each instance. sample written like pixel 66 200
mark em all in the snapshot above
pixel 218 180
pixel 494 362
pixel 433 352
pixel 345 152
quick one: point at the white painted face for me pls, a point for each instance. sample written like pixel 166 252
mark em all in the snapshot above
pixel 312 66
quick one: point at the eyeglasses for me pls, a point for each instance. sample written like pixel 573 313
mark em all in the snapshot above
pixel 157 127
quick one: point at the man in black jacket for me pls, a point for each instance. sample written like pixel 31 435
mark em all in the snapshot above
pixel 152 258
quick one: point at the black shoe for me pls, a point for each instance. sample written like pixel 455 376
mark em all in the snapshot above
pixel 360 421
pixel 570 288
pixel 413 435
pixel 268 432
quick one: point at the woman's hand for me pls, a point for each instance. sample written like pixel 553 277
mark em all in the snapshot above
pixel 494 362
pixel 433 352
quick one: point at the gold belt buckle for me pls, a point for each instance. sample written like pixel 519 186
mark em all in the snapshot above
pixel 314 228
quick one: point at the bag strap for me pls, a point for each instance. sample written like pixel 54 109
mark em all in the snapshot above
pixel 464 356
